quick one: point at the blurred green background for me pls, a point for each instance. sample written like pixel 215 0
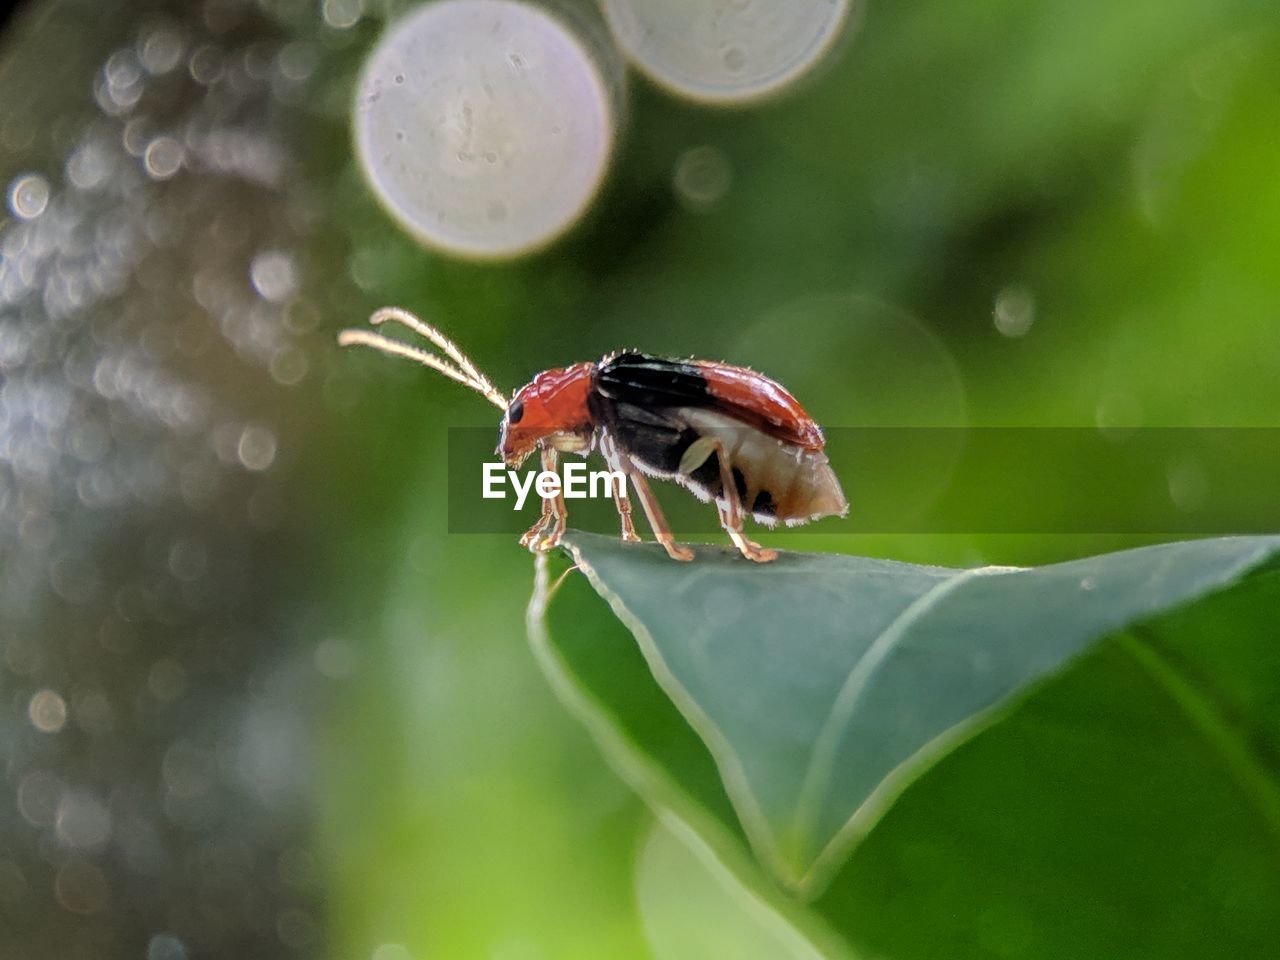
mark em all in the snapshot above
pixel 290 714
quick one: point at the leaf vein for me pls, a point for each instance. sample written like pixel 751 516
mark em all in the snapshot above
pixel 822 758
pixel 1206 718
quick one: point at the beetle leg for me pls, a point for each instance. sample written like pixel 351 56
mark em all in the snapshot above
pixel 653 511
pixel 697 454
pixel 620 499
pixel 556 509
pixel 731 512
pixel 534 533
pixel 623 504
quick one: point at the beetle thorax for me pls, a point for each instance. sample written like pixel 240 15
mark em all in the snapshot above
pixel 580 442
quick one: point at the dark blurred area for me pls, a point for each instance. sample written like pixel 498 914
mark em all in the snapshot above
pixel 156 753
pixel 7 10
pixel 256 700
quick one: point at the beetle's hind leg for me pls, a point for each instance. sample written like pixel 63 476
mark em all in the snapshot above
pixel 730 510
pixel 731 520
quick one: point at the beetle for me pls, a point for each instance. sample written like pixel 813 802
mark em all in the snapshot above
pixel 726 433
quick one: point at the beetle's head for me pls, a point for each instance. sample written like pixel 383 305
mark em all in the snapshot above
pixel 551 409
pixel 520 433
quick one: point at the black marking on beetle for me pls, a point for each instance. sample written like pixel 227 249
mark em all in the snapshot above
pixel 652 382
pixel 764 505
pixel 707 476
pixel 652 439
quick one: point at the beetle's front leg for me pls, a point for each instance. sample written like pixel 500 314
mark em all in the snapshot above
pixel 554 510
pixel 534 533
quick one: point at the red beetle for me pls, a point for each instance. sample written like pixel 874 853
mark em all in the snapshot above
pixel 726 433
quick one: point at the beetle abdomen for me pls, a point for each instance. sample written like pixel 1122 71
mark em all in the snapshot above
pixel 776 481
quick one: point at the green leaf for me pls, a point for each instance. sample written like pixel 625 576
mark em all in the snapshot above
pixel 810 694
pixel 693 909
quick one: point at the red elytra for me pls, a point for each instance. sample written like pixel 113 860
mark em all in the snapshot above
pixel 780 412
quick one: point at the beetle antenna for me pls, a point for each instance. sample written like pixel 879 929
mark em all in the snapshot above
pixel 424 329
pixel 464 373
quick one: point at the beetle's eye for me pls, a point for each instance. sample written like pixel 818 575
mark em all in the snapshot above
pixel 515 412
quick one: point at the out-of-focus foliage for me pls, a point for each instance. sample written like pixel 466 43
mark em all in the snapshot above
pixel 324 736
pixel 791 707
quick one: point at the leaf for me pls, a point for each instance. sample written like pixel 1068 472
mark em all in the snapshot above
pixel 694 910
pixel 824 687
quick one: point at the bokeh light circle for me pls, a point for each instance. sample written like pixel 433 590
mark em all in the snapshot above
pixel 702 177
pixel 485 127
pixel 884 366
pixel 726 51
pixel 28 196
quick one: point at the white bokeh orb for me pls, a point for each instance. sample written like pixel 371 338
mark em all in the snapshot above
pixel 485 127
pixel 726 51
